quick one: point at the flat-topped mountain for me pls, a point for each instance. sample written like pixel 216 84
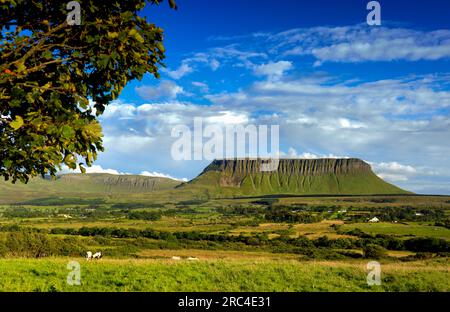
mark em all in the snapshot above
pixel 294 176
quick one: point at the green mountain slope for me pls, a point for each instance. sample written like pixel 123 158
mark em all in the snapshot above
pixel 293 176
pixel 83 185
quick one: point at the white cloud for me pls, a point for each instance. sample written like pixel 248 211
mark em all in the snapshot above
pixel 228 118
pixel 201 85
pixel 345 123
pixel 360 43
pixel 273 70
pixel 214 64
pixel 394 171
pixel 397 172
pixel 182 71
pixel 292 153
pixel 92 169
pixel 100 169
pixel 127 144
pixel 160 175
pixel 166 89
pixel 228 55
pixel 119 110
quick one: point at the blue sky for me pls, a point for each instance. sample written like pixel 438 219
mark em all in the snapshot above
pixel 335 85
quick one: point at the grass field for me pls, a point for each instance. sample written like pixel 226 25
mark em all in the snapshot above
pixel 220 275
pixel 409 229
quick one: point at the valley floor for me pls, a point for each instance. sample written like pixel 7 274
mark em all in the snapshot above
pixel 231 273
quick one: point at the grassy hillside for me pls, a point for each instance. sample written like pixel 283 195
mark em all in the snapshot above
pixel 259 183
pixel 85 185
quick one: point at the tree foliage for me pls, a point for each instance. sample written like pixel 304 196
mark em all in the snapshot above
pixel 56 79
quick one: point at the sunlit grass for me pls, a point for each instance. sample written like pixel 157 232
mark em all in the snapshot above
pixel 221 275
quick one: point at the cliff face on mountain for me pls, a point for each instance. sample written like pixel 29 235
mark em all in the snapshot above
pixel 118 183
pixel 295 176
pixel 95 185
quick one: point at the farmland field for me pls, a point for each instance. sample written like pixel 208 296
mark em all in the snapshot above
pixel 220 275
pixel 407 229
pixel 276 243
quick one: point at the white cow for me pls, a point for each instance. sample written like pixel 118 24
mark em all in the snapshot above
pixel 192 259
pixel 97 255
pixel 89 255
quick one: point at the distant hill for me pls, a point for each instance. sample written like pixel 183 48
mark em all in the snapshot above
pixel 80 185
pixel 294 176
pixel 222 178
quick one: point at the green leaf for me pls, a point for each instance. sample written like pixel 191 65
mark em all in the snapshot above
pixel 160 47
pixel 21 67
pixel 67 132
pixel 139 37
pixel 132 32
pixel 70 161
pixel 47 54
pixel 112 35
pixel 103 60
pixel 82 169
pixel 173 5
pixel 17 123
pixel 7 163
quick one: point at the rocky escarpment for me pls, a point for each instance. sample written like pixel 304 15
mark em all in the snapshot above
pixel 119 183
pixel 299 176
pixel 292 166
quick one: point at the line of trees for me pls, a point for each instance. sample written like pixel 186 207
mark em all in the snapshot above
pixel 32 244
pixel 418 244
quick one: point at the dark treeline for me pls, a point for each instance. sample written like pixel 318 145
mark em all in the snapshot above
pixel 135 206
pixel 139 211
pixel 32 244
pixel 385 241
pixel 61 201
pixel 241 210
pixel 22 212
pixel 38 243
pixel 272 214
pixel 284 214
pixel 402 213
pixel 145 215
pixel 192 202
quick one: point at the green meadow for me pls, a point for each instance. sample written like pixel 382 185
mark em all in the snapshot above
pixel 401 229
pixel 219 275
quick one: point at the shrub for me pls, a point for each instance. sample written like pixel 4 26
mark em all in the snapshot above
pixel 26 243
pixel 372 251
pixel 427 244
pixel 145 215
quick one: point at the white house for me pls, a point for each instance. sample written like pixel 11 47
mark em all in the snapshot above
pixel 374 219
